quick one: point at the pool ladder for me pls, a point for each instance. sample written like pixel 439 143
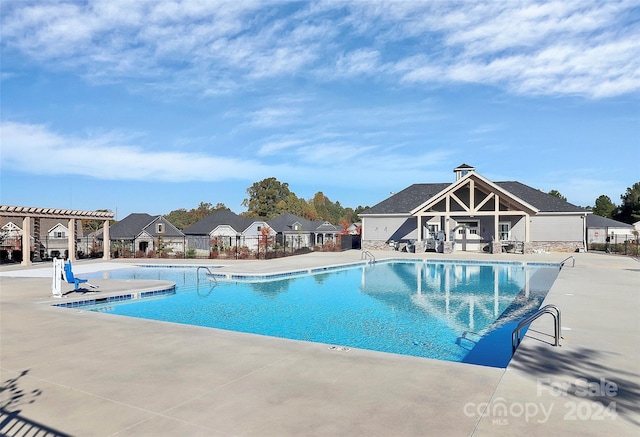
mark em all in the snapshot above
pixel 567 259
pixel 208 272
pixel 547 309
pixel 368 256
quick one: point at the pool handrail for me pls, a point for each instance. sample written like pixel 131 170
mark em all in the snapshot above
pixel 368 255
pixel 567 259
pixel 547 309
pixel 211 275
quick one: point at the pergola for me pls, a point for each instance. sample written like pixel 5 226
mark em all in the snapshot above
pixel 27 213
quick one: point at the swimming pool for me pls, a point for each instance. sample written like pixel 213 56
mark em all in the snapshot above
pixel 462 312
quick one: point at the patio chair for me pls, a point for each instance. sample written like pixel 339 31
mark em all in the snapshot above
pixel 71 279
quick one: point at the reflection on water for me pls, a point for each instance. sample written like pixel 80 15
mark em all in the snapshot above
pixel 456 312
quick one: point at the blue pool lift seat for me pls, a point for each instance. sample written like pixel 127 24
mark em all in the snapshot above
pixel 71 279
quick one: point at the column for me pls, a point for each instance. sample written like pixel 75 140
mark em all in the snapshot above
pixel 71 241
pixel 106 243
pixel 26 241
pixel 496 246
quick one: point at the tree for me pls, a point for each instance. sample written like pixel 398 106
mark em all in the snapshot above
pixel 94 225
pixel 264 197
pixel 604 207
pixel 629 209
pixel 181 218
pixel 556 193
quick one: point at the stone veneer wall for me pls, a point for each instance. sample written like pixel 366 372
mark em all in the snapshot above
pixel 553 246
pixel 375 245
pixel 530 247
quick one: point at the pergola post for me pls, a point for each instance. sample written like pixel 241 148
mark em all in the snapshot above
pixel 106 242
pixel 72 240
pixel 26 241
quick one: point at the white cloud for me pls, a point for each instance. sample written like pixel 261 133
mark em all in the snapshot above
pixel 583 47
pixel 363 61
pixel 38 150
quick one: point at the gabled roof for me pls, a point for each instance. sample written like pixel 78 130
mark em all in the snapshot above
pixel 407 200
pixel 325 226
pixel 169 229
pixel 218 218
pixel 597 221
pixel 56 225
pixel 284 223
pixel 543 201
pixel 130 226
pixel 134 224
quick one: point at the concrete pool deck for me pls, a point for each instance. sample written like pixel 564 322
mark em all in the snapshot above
pixel 74 372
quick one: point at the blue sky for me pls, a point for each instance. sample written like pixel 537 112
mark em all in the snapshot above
pixel 151 106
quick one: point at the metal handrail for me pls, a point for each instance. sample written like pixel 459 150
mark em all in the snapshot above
pixel 208 271
pixel 567 259
pixel 547 309
pixel 368 255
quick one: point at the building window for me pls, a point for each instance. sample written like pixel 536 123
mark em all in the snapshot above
pixel 433 230
pixel 504 231
pixel 471 225
pixel 160 228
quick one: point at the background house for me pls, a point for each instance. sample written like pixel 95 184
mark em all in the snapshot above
pixel 54 242
pixel 225 230
pixel 474 214
pixel 296 232
pixel 140 234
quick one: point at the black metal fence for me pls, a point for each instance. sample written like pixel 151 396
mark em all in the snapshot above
pixel 618 244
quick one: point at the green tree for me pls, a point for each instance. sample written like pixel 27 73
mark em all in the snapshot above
pixel 629 209
pixel 358 210
pixel 265 197
pixel 181 218
pixel 604 207
pixel 94 225
pixel 556 193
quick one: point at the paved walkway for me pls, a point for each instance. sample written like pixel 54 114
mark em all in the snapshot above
pixel 73 372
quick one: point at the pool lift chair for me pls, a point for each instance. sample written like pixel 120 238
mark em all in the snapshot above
pixel 71 279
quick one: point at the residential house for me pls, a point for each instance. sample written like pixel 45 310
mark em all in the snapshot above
pixel 225 229
pixel 473 213
pixel 57 241
pixel 10 239
pixel 296 232
pixel 140 233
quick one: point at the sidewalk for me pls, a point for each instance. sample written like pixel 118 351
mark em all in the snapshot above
pixel 73 372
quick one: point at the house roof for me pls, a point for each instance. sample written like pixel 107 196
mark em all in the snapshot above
pixel 325 226
pixel 597 221
pixel 284 223
pixel 218 218
pixel 130 226
pixel 406 200
pixel 415 195
pixel 545 202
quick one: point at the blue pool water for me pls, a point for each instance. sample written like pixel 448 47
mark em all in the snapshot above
pixel 455 312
